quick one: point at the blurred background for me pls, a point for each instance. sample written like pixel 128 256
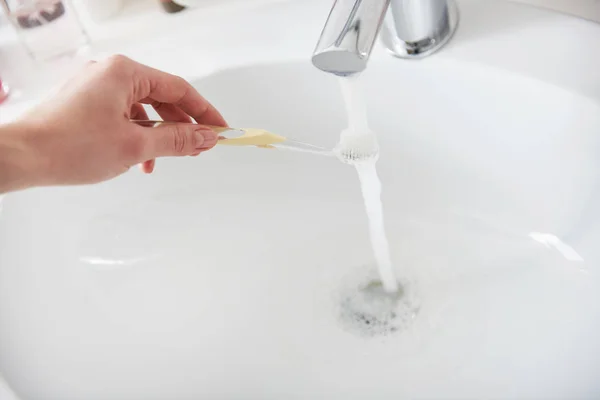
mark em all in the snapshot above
pixel 44 41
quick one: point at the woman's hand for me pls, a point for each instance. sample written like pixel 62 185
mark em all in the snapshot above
pixel 84 134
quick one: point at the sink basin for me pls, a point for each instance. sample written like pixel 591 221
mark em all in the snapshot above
pixel 223 277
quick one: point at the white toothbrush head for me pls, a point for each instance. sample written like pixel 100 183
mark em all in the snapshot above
pixel 355 148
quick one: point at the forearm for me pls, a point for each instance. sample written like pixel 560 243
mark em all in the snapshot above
pixel 17 161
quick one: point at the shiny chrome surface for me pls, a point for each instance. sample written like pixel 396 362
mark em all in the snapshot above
pixel 417 28
pixel 348 35
pixel 411 29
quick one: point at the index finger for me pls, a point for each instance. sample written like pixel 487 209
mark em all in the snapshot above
pixel 152 85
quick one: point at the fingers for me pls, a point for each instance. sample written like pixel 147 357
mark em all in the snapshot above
pixel 147 167
pixel 169 112
pixel 179 139
pixel 137 112
pixel 153 86
pixel 174 99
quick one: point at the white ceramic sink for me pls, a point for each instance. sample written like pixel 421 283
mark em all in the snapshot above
pixel 220 277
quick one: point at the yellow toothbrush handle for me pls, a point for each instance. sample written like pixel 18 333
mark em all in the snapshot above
pixel 253 137
pixel 249 136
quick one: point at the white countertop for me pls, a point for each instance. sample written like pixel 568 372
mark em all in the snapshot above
pixel 589 9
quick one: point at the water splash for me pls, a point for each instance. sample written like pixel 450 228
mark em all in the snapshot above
pixel 358 146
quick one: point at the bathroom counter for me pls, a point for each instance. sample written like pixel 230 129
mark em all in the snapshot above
pixel 589 9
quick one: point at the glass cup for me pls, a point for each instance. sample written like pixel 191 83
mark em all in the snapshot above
pixel 47 28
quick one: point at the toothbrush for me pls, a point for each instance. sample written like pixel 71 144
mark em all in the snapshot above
pixel 253 137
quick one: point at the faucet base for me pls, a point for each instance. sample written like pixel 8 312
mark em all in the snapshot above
pixel 394 31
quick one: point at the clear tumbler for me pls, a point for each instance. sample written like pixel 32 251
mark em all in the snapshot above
pixel 47 28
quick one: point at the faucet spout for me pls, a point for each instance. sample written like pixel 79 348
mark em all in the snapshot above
pixel 349 35
pixel 411 29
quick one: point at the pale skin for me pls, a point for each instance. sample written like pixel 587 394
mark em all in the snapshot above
pixel 84 134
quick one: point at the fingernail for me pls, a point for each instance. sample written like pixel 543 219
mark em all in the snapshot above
pixel 147 167
pixel 199 134
pixel 209 138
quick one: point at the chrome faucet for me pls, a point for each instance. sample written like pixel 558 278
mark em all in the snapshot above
pixel 409 29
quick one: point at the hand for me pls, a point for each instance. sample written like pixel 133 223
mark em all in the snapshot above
pixel 84 134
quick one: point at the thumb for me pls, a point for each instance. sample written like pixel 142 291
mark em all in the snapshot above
pixel 179 139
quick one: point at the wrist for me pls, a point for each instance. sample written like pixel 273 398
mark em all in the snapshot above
pixel 17 159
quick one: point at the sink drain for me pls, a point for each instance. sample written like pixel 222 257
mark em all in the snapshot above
pixel 368 310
